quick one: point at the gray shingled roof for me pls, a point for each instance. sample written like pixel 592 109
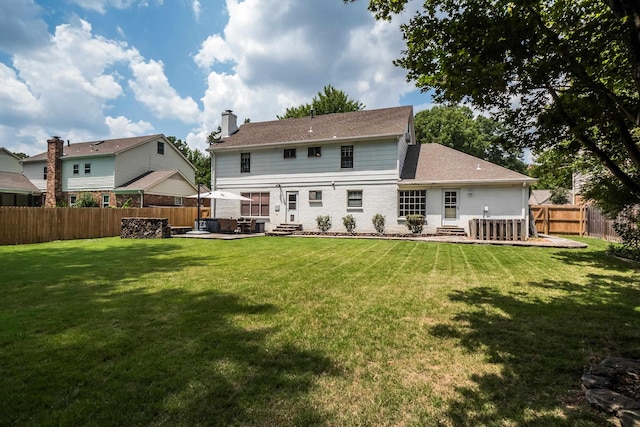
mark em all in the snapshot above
pixel 147 180
pixel 97 148
pixel 16 182
pixel 366 123
pixel 436 163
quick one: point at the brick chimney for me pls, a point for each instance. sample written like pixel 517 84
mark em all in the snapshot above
pixel 229 124
pixel 54 172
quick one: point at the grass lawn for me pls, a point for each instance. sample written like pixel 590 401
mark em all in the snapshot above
pixel 307 331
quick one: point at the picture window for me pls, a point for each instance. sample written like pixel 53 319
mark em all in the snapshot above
pixel 413 202
pixel 257 206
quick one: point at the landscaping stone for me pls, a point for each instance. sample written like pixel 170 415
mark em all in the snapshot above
pixel 614 386
pixel 145 228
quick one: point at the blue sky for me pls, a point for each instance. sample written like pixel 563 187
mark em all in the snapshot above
pixel 94 69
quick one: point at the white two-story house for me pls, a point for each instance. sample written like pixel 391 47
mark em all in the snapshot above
pixel 140 171
pixel 360 163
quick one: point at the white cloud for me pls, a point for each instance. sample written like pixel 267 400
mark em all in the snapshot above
pixel 122 127
pixel 195 6
pixel 151 87
pixel 101 6
pixel 213 50
pixel 283 52
pixel 65 86
pixel 15 96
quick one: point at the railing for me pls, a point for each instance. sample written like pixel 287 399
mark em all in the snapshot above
pixel 19 225
pixel 498 229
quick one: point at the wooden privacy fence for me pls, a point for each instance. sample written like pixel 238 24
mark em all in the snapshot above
pixel 559 219
pixel 19 225
pixel 582 220
pixel 498 229
pixel 598 225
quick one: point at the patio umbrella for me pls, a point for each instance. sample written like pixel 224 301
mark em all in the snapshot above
pixel 217 195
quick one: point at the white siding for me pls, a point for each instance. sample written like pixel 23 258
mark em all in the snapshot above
pixel 503 203
pixel 144 158
pixel 376 199
pixel 8 163
pixel 375 172
pixel 173 186
pixel 34 171
pixel 373 161
pixel 100 177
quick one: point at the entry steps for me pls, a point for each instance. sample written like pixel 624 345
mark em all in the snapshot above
pixel 450 231
pixel 284 230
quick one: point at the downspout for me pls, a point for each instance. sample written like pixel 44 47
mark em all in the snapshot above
pixel 525 208
pixel 212 202
pixel 141 198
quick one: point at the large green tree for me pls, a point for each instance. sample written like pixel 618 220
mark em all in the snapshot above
pixel 456 127
pixel 330 100
pixel 200 160
pixel 564 74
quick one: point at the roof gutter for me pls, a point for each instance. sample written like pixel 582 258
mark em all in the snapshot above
pixel 334 139
pixel 474 182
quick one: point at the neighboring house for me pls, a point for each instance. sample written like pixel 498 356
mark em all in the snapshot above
pixel 15 188
pixel 360 163
pixel 140 171
pixel 543 197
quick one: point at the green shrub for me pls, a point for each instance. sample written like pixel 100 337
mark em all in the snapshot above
pixel 324 222
pixel 415 223
pixel 349 223
pixel 378 221
pixel 86 200
pixel 627 226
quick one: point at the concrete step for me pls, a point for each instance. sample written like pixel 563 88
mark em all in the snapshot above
pixel 284 230
pixel 450 231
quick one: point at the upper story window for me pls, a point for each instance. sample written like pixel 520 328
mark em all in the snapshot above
pixel 314 152
pixel 346 156
pixel 160 148
pixel 245 162
pixel 289 153
pixel 354 198
pixel 76 169
pixel 44 173
pixel 87 168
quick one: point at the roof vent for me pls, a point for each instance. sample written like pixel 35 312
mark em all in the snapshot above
pixel 478 167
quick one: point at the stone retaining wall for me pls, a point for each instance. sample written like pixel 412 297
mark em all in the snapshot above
pixel 145 228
